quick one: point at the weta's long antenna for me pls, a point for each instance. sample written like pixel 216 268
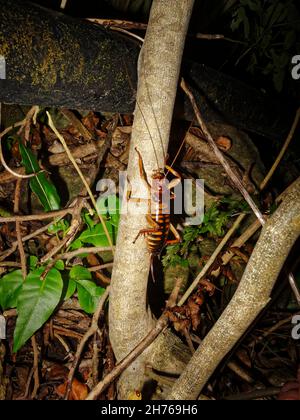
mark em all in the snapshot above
pixel 143 116
pixel 180 148
pixel 153 112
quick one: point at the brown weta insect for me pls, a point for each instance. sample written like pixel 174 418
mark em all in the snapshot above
pixel 158 216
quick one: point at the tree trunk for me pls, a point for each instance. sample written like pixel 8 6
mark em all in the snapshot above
pixel 159 65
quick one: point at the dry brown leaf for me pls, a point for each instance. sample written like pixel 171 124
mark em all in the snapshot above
pixel 79 391
pixel 224 143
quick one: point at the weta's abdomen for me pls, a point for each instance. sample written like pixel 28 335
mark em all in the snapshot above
pixel 157 239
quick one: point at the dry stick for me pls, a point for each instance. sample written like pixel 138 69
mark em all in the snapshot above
pixel 119 23
pixel 294 287
pixel 10 264
pixel 35 367
pixel 37 232
pixel 254 395
pixel 211 259
pixel 95 360
pixel 289 138
pixel 18 229
pixel 99 267
pixel 240 241
pixel 85 183
pixel 42 216
pixel 74 227
pixel 87 250
pixel 24 397
pixel 93 328
pixel 282 151
pixel 124 24
pixel 232 175
pixel 272 329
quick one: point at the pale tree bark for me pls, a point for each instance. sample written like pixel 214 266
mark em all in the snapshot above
pixel 275 242
pixel 159 64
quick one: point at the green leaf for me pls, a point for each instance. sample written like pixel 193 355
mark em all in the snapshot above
pixel 33 260
pixel 40 185
pixel 88 295
pixel 60 226
pixel 70 289
pixel 88 219
pixel 110 207
pixel 75 244
pixel 59 265
pixel 96 236
pixel 10 287
pixel 36 303
pixel 88 291
pixel 80 273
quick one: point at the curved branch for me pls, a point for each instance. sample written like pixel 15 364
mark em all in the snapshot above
pixel 276 240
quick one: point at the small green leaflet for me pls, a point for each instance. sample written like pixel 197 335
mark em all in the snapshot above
pixel 10 287
pixel 109 207
pixel 40 185
pixel 36 303
pixel 96 235
pixel 88 291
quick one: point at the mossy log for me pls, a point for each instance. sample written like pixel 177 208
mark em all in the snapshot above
pixel 55 60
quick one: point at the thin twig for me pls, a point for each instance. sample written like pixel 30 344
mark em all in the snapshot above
pixel 99 267
pixel 131 34
pixel 10 264
pixel 294 287
pixel 272 329
pixel 108 23
pixel 282 151
pixel 18 229
pixel 95 360
pixel 73 229
pixel 37 232
pixel 213 37
pixel 35 367
pixel 232 175
pixel 24 397
pixel 238 243
pixel 87 250
pixel 92 330
pixel 211 259
pixel 254 395
pixel 85 183
pixel 42 216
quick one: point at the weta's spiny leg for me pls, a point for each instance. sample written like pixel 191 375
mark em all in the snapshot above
pixel 176 181
pixel 155 228
pixel 144 232
pixel 173 172
pixel 176 234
